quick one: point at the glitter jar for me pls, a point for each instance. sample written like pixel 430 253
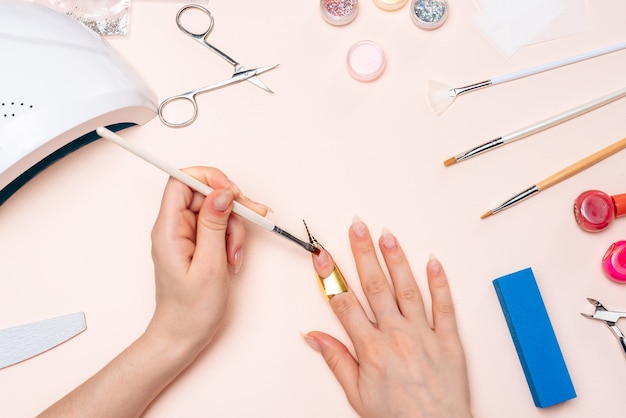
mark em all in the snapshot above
pixel 339 12
pixel 390 4
pixel 429 14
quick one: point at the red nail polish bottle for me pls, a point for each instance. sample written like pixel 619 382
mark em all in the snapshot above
pixel 594 210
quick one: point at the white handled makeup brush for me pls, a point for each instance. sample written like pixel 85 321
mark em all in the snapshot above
pixel 441 96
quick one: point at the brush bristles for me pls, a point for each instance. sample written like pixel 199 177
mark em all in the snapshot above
pixel 439 96
pixel 449 161
pixel 486 215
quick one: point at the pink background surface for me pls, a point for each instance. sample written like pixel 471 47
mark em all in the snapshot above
pixel 326 148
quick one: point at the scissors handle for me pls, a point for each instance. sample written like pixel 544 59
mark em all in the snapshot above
pixel 202 36
pixel 190 96
pixel 179 101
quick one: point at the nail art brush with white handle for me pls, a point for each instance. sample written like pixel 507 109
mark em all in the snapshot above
pixel 441 96
pixel 539 126
pixel 200 187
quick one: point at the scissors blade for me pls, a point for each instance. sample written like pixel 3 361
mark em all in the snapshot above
pixel 239 69
pixel 22 342
pixel 260 84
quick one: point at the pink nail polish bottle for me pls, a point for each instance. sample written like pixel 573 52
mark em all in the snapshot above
pixel 594 210
pixel 614 262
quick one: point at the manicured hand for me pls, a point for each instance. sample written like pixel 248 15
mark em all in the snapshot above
pixel 193 240
pixel 403 366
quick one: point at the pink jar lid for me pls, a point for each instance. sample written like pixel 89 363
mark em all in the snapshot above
pixel 366 61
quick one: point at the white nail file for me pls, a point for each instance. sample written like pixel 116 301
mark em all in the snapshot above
pixel 25 341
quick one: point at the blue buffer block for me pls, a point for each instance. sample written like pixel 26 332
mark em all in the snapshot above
pixel 537 347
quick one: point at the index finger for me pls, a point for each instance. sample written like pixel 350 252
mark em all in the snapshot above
pixel 178 197
pixel 216 179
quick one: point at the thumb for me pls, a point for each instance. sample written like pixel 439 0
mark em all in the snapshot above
pixel 210 250
pixel 339 361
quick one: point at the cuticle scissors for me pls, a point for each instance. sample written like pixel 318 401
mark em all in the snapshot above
pixel 201 37
pixel 610 319
pixel 190 96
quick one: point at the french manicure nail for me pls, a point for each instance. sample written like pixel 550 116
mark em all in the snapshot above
pixel 389 241
pixel 358 227
pixel 312 342
pixel 433 264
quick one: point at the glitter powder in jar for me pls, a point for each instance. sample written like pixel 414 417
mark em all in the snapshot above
pixel 390 4
pixel 339 12
pixel 429 14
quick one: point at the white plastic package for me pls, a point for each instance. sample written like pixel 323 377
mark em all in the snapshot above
pixel 105 17
pixel 514 24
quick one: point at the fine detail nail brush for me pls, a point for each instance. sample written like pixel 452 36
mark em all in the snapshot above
pixel 561 175
pixel 537 127
pixel 200 187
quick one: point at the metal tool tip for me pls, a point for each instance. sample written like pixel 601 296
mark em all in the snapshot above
pixel 486 214
pixel 449 161
pixel 314 243
pixel 306 245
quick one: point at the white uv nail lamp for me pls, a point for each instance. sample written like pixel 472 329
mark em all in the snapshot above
pixel 59 81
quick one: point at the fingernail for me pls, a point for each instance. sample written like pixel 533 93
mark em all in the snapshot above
pixel 389 241
pixel 236 189
pixel 223 200
pixel 433 264
pixel 312 342
pixel 322 257
pixel 358 227
pixel 238 259
pixel 265 207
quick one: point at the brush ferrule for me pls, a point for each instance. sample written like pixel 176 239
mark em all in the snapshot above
pixel 517 198
pixel 307 246
pixel 487 146
pixel 460 90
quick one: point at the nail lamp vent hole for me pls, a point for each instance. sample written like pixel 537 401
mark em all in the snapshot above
pixel 11 109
